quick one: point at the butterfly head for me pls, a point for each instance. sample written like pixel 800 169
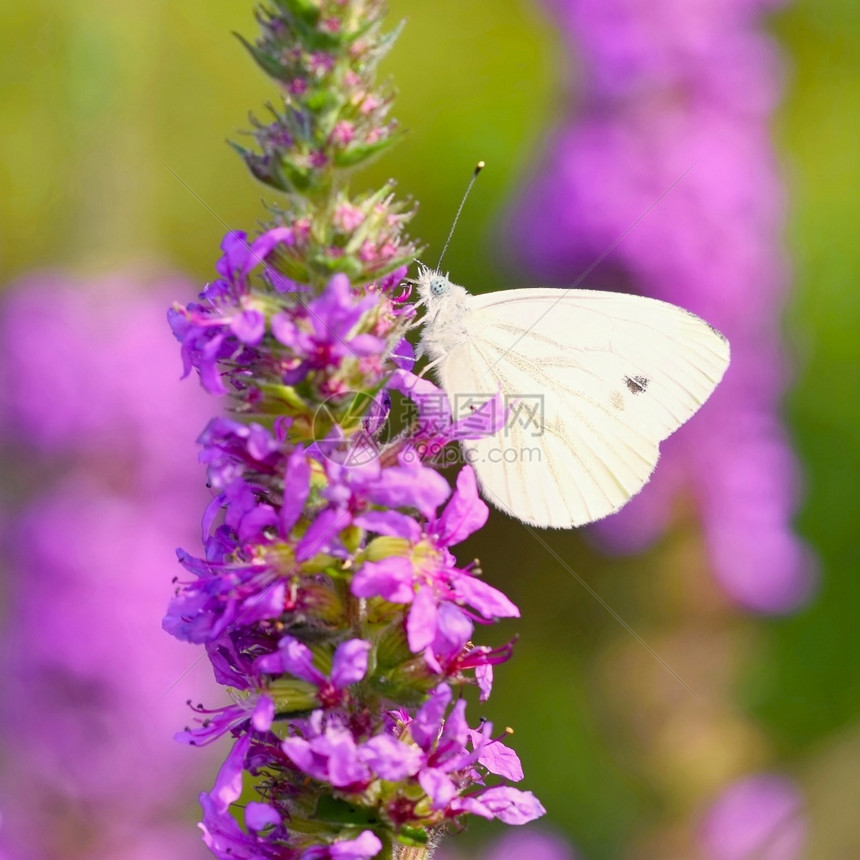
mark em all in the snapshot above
pixel 439 286
pixel 434 287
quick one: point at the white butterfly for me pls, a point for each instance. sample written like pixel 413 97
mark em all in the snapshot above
pixel 594 381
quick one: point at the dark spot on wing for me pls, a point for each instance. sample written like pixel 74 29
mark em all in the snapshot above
pixel 636 384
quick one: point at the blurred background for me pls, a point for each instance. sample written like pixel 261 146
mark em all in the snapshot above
pixel 685 683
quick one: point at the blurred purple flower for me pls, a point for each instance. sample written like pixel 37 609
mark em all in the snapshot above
pixel 677 102
pixel 757 818
pixel 88 543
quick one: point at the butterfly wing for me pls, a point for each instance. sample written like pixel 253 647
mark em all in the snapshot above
pixel 593 382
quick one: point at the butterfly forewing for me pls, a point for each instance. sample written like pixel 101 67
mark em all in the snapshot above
pixel 610 375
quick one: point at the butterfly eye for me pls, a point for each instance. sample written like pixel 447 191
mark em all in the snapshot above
pixel 438 287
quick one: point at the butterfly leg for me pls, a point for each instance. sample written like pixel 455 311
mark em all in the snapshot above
pixel 430 365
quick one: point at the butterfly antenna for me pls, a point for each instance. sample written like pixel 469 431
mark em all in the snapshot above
pixel 478 168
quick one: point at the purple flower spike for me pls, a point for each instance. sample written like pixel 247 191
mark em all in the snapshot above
pixel 349 666
pixel 327 593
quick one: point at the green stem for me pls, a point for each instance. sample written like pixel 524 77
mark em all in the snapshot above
pixel 405 852
pixel 394 850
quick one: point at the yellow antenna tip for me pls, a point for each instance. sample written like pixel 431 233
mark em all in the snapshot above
pixel 479 167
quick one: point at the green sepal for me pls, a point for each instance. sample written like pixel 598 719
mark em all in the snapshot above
pixel 270 64
pixel 351 538
pixel 359 152
pixel 292 697
pixel 282 399
pixel 407 692
pixel 392 647
pixel 303 17
pixel 415 837
pixel 322 101
pixel 306 11
pixel 386 40
pixel 328 266
pixel 295 178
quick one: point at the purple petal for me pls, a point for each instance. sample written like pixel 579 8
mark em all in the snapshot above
pixel 228 782
pixel 263 246
pixel 209 514
pixel 285 330
pixel 465 513
pixel 390 523
pixel 488 417
pixel 410 486
pixel 489 601
pixel 268 603
pixel 501 760
pixel 345 768
pixel 363 847
pixel 390 758
pixel 222 834
pixel 453 630
pixel 264 714
pixel 259 816
pixel 484 677
pixel 390 578
pixel 297 659
pixel 511 805
pixel 427 724
pixel 421 621
pixel 296 490
pixel 260 442
pixel 210 377
pixel 471 805
pixel 350 662
pixel 300 753
pixel 254 523
pixel 235 248
pixel 322 533
pixel 366 344
pixel 438 785
pixel 452 741
pixel 403 355
pixel 249 326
